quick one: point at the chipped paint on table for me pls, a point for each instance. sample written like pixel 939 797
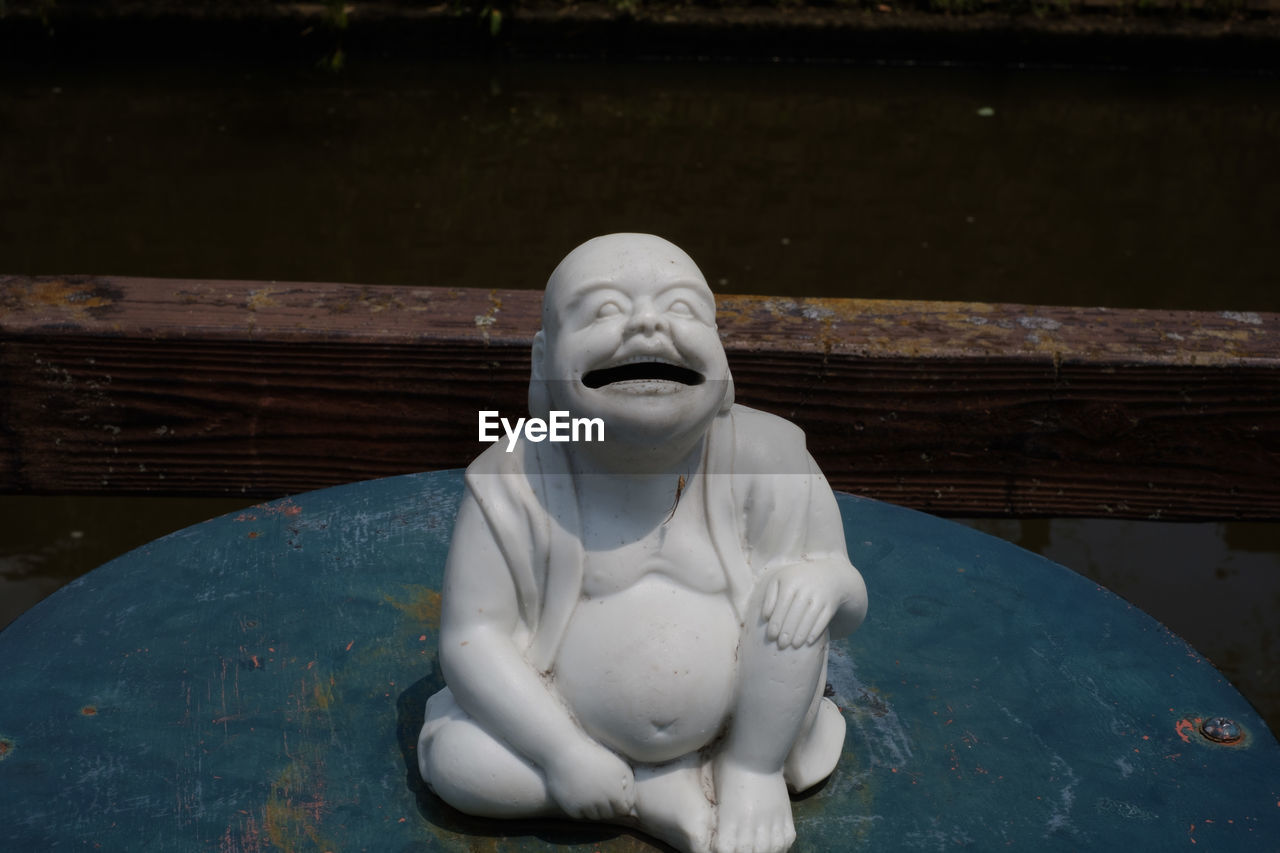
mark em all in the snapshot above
pixel 256 683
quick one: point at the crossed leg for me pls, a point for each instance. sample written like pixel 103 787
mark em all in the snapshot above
pixel 479 775
pixel 782 732
pixel 474 772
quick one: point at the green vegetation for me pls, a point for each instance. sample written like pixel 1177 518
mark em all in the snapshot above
pixel 335 12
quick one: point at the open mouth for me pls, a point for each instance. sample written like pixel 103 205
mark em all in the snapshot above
pixel 642 371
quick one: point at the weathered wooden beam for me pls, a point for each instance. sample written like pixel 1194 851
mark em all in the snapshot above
pixel 149 386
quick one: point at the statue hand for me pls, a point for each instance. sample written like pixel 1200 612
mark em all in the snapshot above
pixel 800 601
pixel 591 783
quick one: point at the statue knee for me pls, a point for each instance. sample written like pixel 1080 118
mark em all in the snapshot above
pixel 445 766
pixel 478 775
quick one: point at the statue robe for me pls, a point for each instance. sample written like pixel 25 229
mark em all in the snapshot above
pixel 767 504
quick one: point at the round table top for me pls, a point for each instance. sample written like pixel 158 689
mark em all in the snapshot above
pixel 257 681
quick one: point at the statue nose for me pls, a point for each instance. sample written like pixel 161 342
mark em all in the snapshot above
pixel 647 322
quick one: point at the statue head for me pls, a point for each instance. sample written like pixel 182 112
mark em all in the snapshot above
pixel 629 335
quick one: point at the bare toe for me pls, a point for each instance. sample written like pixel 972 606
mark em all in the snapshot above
pixel 753 812
pixel 672 805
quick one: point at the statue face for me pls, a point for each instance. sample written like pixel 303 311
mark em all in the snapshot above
pixel 631 338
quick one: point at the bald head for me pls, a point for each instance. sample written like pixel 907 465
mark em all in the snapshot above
pixel 632 259
pixel 629 335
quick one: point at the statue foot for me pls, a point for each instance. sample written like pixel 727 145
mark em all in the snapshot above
pixel 816 754
pixel 753 811
pixel 672 805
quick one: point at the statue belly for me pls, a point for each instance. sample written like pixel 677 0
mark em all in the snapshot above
pixel 650 671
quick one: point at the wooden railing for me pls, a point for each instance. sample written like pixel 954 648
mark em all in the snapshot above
pixel 180 387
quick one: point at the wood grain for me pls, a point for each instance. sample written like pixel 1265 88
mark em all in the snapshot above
pixel 151 386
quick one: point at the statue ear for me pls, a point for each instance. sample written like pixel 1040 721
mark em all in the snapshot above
pixel 727 403
pixel 539 399
pixel 537 372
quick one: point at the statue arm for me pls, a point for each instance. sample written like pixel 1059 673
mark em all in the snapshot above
pixel 828 530
pixel 813 589
pixel 807 599
pixel 493 681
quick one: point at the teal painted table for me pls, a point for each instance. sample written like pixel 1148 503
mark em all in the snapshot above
pixel 256 682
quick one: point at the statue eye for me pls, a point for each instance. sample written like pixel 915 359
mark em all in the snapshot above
pixel 607 310
pixel 680 308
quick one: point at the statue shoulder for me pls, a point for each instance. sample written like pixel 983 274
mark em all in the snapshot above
pixel 494 471
pixel 753 424
pixel 494 460
pixel 766 437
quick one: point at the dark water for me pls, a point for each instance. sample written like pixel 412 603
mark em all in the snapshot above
pixel 1036 186
pixel 941 183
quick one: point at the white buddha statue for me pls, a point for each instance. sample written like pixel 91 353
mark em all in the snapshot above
pixel 635 630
